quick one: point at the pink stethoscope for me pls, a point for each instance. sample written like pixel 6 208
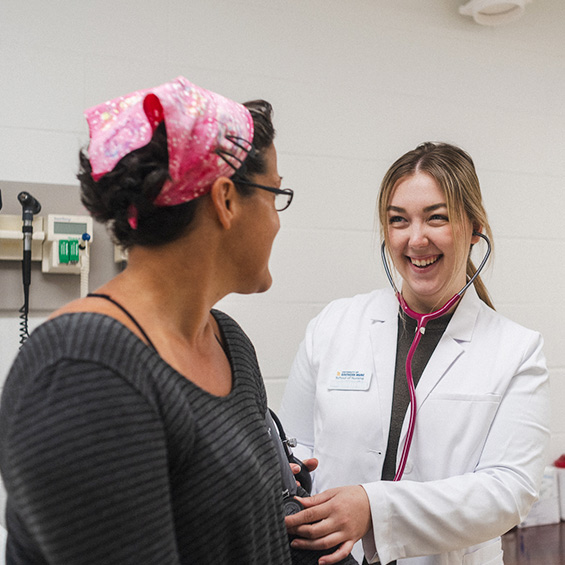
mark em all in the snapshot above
pixel 422 320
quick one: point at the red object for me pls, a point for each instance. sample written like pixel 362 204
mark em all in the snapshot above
pixel 560 462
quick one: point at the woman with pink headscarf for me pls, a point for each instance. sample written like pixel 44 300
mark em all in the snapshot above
pixel 132 428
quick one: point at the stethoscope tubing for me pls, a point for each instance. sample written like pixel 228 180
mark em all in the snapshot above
pixel 422 320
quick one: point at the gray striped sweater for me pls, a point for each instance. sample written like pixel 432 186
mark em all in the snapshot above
pixel 109 456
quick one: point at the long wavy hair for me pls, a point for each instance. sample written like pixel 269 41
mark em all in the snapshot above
pixel 454 171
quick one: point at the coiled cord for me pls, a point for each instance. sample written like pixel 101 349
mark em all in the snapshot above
pixel 24 310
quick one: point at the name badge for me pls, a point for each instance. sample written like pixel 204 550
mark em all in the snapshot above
pixel 350 380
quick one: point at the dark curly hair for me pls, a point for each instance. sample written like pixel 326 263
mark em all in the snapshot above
pixel 138 178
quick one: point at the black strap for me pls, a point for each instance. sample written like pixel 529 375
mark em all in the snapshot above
pixel 222 345
pixel 127 313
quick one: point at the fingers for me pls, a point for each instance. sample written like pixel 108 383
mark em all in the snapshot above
pixel 335 517
pixel 314 511
pixel 302 522
pixel 317 544
pixel 311 464
pixel 341 553
pixel 317 499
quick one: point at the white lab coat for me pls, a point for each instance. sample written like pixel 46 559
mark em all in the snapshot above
pixel 482 427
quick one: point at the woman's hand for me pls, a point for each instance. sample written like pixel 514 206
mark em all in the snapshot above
pixel 336 517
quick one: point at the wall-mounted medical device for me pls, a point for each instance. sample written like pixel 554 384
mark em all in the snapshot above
pixel 64 243
pixel 66 248
pixel 30 207
pixel 11 238
pixel 60 242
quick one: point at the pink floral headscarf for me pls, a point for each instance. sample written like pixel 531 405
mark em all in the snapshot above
pixel 200 125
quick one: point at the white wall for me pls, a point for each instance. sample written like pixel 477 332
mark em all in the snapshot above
pixel 354 83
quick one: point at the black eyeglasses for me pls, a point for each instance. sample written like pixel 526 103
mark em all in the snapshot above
pixel 283 196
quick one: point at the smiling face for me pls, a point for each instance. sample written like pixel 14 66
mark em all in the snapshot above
pixel 422 244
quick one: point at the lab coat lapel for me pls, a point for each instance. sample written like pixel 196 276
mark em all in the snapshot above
pixel 452 344
pixel 383 327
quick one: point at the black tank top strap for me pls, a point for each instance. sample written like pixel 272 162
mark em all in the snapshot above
pixel 127 313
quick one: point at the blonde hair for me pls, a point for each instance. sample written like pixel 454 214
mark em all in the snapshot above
pixel 454 171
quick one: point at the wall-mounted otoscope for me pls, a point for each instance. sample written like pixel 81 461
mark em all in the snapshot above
pixel 30 207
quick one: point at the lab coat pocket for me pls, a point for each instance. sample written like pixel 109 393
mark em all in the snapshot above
pixel 451 430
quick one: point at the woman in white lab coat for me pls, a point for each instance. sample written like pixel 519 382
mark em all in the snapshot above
pixel 482 397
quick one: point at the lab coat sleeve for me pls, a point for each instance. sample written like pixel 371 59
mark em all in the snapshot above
pixel 423 518
pixel 297 407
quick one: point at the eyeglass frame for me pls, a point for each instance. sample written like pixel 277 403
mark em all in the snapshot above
pixel 287 191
